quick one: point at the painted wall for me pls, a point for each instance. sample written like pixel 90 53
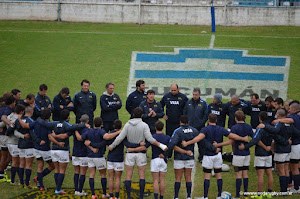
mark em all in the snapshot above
pixel 149 13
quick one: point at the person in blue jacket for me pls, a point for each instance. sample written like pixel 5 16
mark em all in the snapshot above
pixel 174 101
pixel 42 101
pixel 196 110
pixel 135 98
pixel 85 102
pixel 60 102
pixel 110 103
pixel 217 108
pixel 152 110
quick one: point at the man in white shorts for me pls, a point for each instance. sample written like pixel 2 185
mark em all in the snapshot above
pixel 136 131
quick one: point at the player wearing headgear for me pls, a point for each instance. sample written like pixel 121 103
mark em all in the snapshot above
pixel 135 98
pixel 217 108
pixel 110 103
pixel 60 153
pixel 212 133
pixel 174 102
pixel 152 110
pixel 263 153
pixel 136 131
pixel 183 156
pixel 159 161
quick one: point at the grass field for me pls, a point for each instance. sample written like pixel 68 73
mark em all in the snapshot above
pixel 62 54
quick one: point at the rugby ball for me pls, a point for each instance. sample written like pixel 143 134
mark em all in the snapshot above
pixel 225 167
pixel 226 195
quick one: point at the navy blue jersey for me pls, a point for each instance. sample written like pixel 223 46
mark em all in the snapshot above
pixel 219 111
pixel 296 118
pixel 110 107
pixel 96 136
pixel 213 134
pixel 230 111
pixel 117 154
pixel 24 103
pixel 57 101
pixel 6 110
pixel 85 103
pixel 41 102
pixel 79 148
pixel 147 107
pixel 253 111
pixel 271 114
pixel 265 137
pixel 25 143
pixel 162 138
pixel 134 99
pixel 174 105
pixel 61 127
pixel 243 130
pixel 42 134
pixel 196 112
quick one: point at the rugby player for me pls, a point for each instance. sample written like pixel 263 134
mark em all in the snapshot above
pixel 135 98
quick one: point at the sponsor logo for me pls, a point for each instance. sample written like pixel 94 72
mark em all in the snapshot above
pixel 187 130
pixel 214 71
pixel 215 112
pixel 174 102
pixel 255 109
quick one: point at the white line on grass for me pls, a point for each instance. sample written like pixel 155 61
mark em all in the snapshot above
pixel 203 47
pixel 141 33
pixel 212 42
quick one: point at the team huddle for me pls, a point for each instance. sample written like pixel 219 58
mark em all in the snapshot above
pixel 26 132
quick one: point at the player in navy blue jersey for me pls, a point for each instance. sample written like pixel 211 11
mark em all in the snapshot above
pixel 263 154
pixel 60 102
pixel 183 156
pixel 135 98
pixel 217 108
pixel 174 102
pixel 213 133
pixel 4 112
pixel 241 158
pixel 17 95
pixel 159 161
pixel 96 161
pixel 62 130
pixel 85 102
pixel 110 103
pixel 79 158
pixel 42 101
pixel 152 110
pixel 271 111
pixel 254 107
pixel 43 152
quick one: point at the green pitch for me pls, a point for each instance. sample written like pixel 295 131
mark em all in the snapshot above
pixel 62 54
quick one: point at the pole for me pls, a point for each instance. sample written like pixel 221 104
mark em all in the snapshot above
pixel 58 11
pixel 140 4
pixel 212 11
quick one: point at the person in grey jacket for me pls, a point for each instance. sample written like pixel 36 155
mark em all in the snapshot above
pixel 136 131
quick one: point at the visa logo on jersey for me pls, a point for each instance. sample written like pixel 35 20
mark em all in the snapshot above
pixel 213 71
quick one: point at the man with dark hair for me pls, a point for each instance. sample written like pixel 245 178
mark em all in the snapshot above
pixel 60 154
pixel 217 108
pixel 254 107
pixel 271 111
pixel 263 153
pixel 110 103
pixel 159 161
pixel 183 156
pixel 174 102
pixel 152 110
pixel 42 101
pixel 196 110
pixel 29 101
pixel 136 131
pixel 4 113
pixel 136 97
pixel 60 102
pixel 17 95
pixel 213 134
pixel 85 102
pixel 235 104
